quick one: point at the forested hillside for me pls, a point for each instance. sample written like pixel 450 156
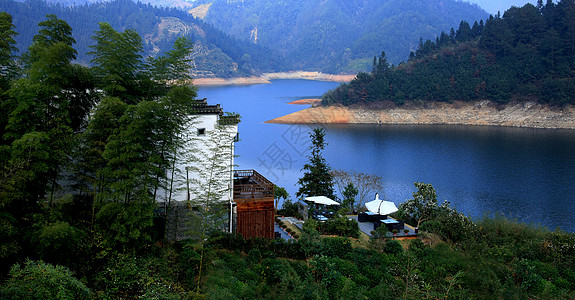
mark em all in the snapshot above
pixel 527 53
pixel 338 35
pixel 215 53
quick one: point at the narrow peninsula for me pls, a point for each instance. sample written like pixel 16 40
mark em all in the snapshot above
pixel 521 114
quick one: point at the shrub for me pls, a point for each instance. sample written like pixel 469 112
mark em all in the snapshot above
pixel 254 256
pixel 288 230
pixel 38 280
pixel 289 209
pixel 340 226
pixel 227 240
pixel 274 270
pixel 392 247
pixel 336 246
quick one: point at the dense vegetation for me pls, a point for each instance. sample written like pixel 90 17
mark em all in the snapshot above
pixel 84 153
pixel 215 54
pixel 526 54
pixel 338 35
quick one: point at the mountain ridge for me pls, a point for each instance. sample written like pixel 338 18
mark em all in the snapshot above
pixel 339 36
pixel 216 54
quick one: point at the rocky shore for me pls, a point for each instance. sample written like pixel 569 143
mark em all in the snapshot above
pixel 524 114
pixel 266 77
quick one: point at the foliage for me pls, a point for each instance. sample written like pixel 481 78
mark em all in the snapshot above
pixel 423 205
pixel 38 280
pixel 131 277
pixel 341 226
pixel 392 247
pixel 279 194
pixel 58 242
pixel 349 195
pixel 125 227
pixel 440 219
pixel 317 179
pixel 7 49
pixel 289 209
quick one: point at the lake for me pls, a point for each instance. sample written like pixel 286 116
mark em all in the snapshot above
pixel 525 174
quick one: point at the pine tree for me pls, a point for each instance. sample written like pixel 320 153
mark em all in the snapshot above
pixel 317 179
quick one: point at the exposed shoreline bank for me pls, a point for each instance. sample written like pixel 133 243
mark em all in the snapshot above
pixel 484 113
pixel 267 77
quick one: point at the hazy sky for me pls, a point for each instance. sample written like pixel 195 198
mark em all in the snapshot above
pixel 492 6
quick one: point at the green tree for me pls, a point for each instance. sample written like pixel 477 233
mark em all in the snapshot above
pixel 41 101
pixel 7 60
pixel 118 63
pixel 133 140
pixel 279 194
pixel 174 66
pixel 423 205
pixel 317 179
pixel 8 184
pixel 349 195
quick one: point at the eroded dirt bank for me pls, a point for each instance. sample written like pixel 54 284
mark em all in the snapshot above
pixel 527 114
pixel 266 77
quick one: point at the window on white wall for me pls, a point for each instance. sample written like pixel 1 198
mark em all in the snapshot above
pixel 201 131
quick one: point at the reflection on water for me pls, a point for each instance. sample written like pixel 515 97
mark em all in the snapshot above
pixel 523 173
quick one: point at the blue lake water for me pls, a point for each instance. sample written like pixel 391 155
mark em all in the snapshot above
pixel 525 174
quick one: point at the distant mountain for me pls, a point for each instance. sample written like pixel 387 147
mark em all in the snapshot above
pixel 216 53
pixel 328 35
pixel 163 3
pixel 337 35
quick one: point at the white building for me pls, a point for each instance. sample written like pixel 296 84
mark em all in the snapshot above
pixel 203 175
pixel 208 188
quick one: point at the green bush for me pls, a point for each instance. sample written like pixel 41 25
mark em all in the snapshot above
pixel 38 280
pixel 226 240
pixel 289 209
pixel 254 256
pixel 58 242
pixel 336 246
pixel 274 269
pixel 392 247
pixel 340 226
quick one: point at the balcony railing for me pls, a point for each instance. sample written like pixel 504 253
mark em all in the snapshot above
pixel 251 184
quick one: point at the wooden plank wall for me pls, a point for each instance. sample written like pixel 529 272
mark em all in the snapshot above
pixel 256 219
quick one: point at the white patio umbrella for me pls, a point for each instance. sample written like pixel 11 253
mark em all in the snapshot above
pixel 321 200
pixel 381 207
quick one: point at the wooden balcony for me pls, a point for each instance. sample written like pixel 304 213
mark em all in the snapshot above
pixel 249 184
